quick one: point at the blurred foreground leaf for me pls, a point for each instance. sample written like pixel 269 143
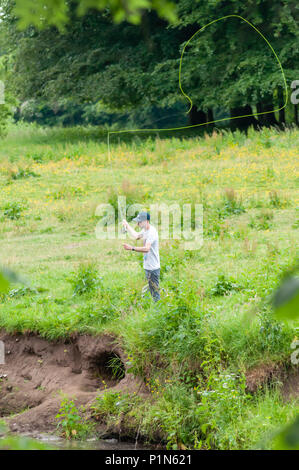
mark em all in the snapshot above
pixel 288 439
pixel 286 299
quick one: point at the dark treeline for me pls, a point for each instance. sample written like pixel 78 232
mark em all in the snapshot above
pixel 100 72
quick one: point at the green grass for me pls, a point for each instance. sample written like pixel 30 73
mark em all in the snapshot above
pixel 215 305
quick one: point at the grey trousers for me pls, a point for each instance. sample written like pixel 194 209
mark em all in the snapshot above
pixel 153 282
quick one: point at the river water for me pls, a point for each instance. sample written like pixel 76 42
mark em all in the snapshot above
pixel 59 443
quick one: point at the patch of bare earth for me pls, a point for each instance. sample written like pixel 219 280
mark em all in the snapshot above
pixel 37 371
pixel 266 374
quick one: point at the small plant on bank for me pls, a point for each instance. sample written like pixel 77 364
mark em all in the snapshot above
pixel 231 205
pixel 224 286
pixel 111 405
pixel 13 210
pixel 71 424
pixel 86 280
pixel 262 221
pixel 117 367
pixel 21 173
pixel 275 200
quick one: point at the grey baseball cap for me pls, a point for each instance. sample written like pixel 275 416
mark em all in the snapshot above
pixel 142 216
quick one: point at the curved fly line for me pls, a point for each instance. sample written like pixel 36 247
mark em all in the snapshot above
pixel 190 100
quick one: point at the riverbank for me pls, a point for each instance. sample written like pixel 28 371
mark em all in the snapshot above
pixel 212 358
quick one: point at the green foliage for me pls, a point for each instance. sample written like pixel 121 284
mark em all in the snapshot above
pixel 4 283
pixel 231 205
pixel 275 200
pixel 116 366
pixel 5 114
pixel 86 280
pixel 288 438
pixel 70 422
pixel 107 68
pixel 13 210
pixel 262 221
pixel 21 292
pixel 221 401
pixel 224 286
pixel 111 405
pixel 172 259
pixel 105 404
pixel 22 173
pixel 286 299
pixel 57 12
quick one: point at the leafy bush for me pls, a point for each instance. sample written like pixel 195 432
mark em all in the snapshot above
pixel 275 200
pixel 262 220
pixel 231 205
pixel 86 280
pixel 224 286
pixel 21 292
pixel 13 210
pixel 71 424
pixel 110 405
pixel 22 173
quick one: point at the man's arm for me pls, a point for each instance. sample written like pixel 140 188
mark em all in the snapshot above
pixel 131 231
pixel 139 249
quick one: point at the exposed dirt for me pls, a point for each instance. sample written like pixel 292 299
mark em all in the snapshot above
pixel 265 374
pixel 36 371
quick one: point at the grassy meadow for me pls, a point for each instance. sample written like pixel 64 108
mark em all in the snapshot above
pixel 214 321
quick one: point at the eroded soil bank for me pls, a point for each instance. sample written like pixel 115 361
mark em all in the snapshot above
pixel 37 371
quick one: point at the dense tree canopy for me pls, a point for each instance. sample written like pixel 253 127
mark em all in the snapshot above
pixel 42 13
pixel 227 66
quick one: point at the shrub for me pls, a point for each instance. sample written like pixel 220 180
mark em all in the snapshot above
pixel 22 173
pixel 13 210
pixel 224 286
pixel 86 280
pixel 231 205
pixel 71 423
pixel 110 405
pixel 262 221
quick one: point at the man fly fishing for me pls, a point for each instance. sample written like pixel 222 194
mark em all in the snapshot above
pixel 150 248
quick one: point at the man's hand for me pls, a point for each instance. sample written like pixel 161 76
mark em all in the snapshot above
pixel 127 247
pixel 125 223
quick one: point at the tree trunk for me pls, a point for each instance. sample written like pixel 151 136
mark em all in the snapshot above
pixel 210 118
pixel 196 116
pixel 245 122
pixel 268 119
pixel 296 114
pixel 282 117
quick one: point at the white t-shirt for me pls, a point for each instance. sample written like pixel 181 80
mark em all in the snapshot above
pixel 151 260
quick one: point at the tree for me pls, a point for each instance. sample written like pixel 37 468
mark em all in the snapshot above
pixel 43 13
pixel 227 66
pixel 6 98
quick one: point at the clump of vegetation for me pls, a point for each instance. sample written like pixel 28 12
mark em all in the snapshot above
pixel 113 406
pixel 86 280
pixel 22 173
pixel 262 221
pixel 65 192
pixel 224 286
pixel 275 199
pixel 171 259
pixel 116 366
pixel 231 205
pixel 71 424
pixel 22 291
pixel 13 210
